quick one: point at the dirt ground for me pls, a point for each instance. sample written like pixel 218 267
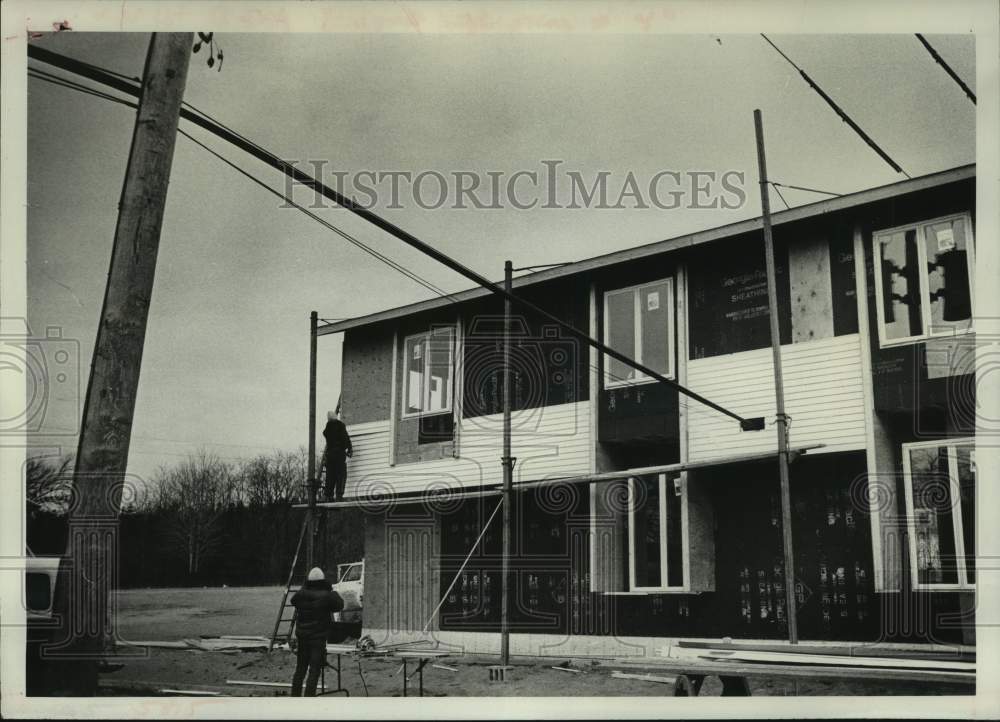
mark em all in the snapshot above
pixel 175 614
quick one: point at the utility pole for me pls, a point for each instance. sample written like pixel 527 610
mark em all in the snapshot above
pixel 312 480
pixel 779 390
pixel 508 474
pixel 89 569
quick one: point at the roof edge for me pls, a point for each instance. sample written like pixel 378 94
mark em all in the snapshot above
pixel 798 213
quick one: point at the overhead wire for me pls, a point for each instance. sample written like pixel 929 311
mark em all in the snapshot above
pixel 803 188
pixel 62 82
pixel 839 111
pixel 778 191
pixel 289 169
pixel 695 409
pixel 322 221
pixel 947 68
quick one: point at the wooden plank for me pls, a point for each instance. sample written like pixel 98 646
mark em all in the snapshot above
pixel 838 660
pixel 642 677
pixel 961 654
pixel 153 643
pixel 749 669
pixel 191 692
pixel 254 683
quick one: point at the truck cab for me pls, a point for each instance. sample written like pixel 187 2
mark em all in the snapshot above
pixel 351 587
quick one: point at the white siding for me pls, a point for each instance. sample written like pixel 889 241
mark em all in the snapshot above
pixel 823 395
pixel 547 442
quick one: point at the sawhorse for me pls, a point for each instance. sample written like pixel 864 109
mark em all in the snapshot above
pixel 340 688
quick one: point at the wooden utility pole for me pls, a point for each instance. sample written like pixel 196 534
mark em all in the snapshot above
pixel 779 389
pixel 508 475
pixel 88 574
pixel 311 474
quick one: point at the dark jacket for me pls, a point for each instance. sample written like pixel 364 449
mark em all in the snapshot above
pixel 314 603
pixel 338 441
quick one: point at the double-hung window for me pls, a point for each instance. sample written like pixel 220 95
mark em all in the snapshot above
pixel 639 322
pixel 655 534
pixel 923 279
pixel 428 372
pixel 940 479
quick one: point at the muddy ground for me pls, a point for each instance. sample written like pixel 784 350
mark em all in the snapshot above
pixel 175 614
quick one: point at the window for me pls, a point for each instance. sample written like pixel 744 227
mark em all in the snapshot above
pixel 940 479
pixel 353 574
pixel 655 534
pixel 923 277
pixel 428 370
pixel 639 322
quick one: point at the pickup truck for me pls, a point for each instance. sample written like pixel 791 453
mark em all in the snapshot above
pixel 351 588
pixel 40 575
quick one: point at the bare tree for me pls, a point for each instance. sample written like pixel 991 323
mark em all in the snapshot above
pixel 48 484
pixel 269 480
pixel 193 496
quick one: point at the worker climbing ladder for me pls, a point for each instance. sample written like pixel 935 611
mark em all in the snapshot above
pixel 284 624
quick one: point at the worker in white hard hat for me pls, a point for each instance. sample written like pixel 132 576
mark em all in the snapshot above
pixel 315 604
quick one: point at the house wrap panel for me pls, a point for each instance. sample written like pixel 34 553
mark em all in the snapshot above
pixel 823 396
pixel 547 441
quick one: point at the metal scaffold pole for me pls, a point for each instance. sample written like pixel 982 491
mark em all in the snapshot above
pixel 311 472
pixel 779 391
pixel 508 474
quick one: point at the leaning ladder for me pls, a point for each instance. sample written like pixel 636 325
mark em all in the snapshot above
pixel 279 634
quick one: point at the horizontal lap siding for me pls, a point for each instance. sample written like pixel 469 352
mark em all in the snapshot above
pixel 823 395
pixel 547 441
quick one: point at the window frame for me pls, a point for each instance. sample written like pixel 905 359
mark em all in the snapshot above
pixel 920 229
pixel 425 393
pixel 957 523
pixel 665 487
pixel 636 291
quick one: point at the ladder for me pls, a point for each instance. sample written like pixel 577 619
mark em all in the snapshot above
pixel 284 634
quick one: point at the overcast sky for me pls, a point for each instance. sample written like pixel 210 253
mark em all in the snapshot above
pixel 225 364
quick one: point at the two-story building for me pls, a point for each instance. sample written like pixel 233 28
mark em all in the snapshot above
pixel 875 294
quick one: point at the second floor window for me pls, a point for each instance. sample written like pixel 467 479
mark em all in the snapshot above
pixel 923 278
pixel 428 372
pixel 639 322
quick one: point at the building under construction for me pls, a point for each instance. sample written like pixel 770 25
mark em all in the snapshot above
pixel 640 514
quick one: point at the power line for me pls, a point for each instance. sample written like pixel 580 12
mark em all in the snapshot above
pixel 69 64
pixel 343 234
pixel 778 191
pixel 62 82
pixel 837 109
pixel 803 188
pixel 940 61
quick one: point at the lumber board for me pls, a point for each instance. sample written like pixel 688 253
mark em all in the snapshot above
pixel 837 660
pixel 750 669
pixel 155 643
pixel 254 683
pixel 617 674
pixel 959 654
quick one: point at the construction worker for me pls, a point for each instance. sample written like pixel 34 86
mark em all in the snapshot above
pixel 315 604
pixel 338 448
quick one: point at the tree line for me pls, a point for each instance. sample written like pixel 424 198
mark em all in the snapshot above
pixel 202 521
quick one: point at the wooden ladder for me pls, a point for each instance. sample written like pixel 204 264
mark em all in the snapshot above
pixel 284 634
